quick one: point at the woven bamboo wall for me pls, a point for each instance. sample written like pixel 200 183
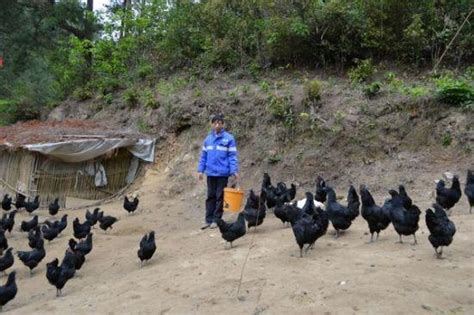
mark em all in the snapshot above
pixel 16 168
pixel 35 174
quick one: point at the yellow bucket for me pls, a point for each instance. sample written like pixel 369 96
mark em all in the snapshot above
pixel 233 198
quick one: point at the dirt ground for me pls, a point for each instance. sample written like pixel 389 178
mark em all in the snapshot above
pixel 194 272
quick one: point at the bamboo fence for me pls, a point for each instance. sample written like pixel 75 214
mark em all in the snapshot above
pixel 33 174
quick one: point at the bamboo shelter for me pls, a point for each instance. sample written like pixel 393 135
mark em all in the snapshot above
pixel 70 159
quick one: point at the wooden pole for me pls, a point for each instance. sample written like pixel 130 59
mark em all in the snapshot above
pixel 452 40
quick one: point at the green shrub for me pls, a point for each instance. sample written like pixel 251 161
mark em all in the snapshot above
pixel 278 106
pixel 415 91
pixel 312 90
pixel 143 126
pixel 274 159
pixel 372 89
pixel 108 98
pixel 144 71
pixel 82 94
pixel 394 84
pixel 447 139
pixel 390 76
pixel 254 69
pixel 264 86
pixel 454 92
pixel 131 97
pixel 362 72
pixel 7 110
pixel 148 99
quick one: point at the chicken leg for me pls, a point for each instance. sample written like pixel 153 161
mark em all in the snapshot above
pixel 301 252
pixel 400 241
pixel 371 238
pixel 440 253
pixel 415 242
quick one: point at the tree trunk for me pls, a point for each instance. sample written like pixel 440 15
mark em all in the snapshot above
pixel 126 7
pixel 90 5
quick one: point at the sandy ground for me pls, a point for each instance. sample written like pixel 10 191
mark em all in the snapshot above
pixel 193 272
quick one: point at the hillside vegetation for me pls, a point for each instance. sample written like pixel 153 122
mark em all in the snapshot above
pixel 58 50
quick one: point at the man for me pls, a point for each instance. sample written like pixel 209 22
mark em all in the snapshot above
pixel 219 161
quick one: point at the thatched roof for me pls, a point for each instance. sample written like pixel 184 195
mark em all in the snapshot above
pixel 35 132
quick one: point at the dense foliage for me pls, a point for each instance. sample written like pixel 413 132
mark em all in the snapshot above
pixel 55 49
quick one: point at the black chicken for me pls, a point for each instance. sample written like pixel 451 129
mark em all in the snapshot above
pixel 291 193
pixel 60 224
pixel 320 194
pixel 3 241
pixel 147 247
pixel 8 291
pixel 407 202
pixel 267 182
pixel 255 209
pixel 130 206
pixel 93 217
pixel 49 233
pixel 377 218
pixel 469 189
pixel 32 258
pixel 8 221
pixel 26 226
pixel 353 201
pixel 34 235
pixel 269 190
pixel 79 257
pixel 6 261
pixel 20 201
pixel 448 197
pixel 54 207
pixel 232 231
pixel 405 221
pixel 306 228
pixel 282 192
pixel 309 207
pixel 52 272
pixel 441 228
pixel 80 230
pixel 341 217
pixel 31 206
pixel 60 275
pixel 281 211
pixel 84 246
pixel 6 202
pixel 106 222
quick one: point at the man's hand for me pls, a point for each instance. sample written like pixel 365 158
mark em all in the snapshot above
pixel 200 176
pixel 236 176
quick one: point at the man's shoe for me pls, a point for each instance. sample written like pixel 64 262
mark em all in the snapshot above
pixel 205 226
pixel 213 225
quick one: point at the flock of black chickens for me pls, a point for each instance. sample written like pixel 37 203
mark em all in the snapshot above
pixel 309 218
pixel 57 274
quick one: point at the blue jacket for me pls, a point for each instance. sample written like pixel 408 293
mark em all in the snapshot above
pixel 219 155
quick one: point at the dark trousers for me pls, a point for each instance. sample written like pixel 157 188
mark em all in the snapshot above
pixel 215 197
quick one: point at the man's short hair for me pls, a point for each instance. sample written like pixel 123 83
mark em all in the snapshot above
pixel 217 117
